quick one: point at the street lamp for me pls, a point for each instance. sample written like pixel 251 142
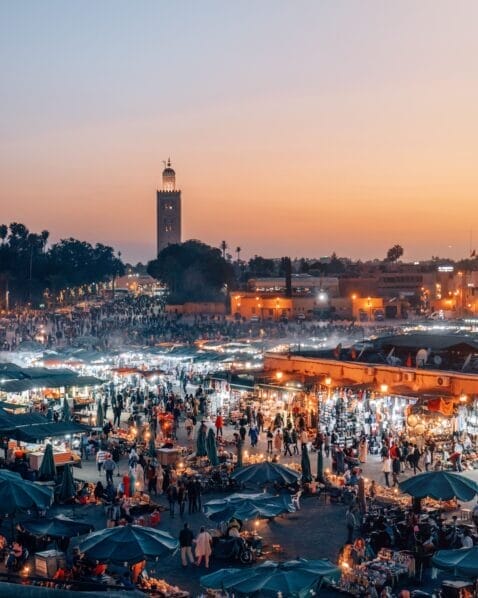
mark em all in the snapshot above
pixel 369 305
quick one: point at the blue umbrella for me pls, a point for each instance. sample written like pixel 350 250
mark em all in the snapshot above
pixel 17 494
pixel 265 472
pixel 292 578
pixel 244 509
pixel 211 447
pixel 47 469
pixel 127 544
pixel 201 442
pixel 67 487
pixel 440 485
pixel 56 527
pixel 461 561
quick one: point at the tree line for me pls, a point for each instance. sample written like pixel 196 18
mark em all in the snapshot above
pixel 30 271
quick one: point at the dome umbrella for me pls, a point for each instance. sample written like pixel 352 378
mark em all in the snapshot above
pixel 211 448
pixel 17 494
pixel 265 472
pixel 461 561
pixel 248 509
pixel 216 580
pixel 100 420
pixel 67 489
pixel 56 527
pixel 127 544
pixel 305 465
pixel 47 469
pixel 292 578
pixel 320 465
pixel 440 485
pixel 201 442
pixel 66 415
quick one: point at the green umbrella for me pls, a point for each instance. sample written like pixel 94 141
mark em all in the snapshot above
pixel 152 447
pixel 320 465
pixel 253 506
pixel 265 472
pixel 99 415
pixel 17 494
pixel 47 469
pixel 460 561
pixel 66 415
pixel 292 578
pixel 127 544
pixel 215 581
pixel 56 527
pixel 305 465
pixel 211 447
pixel 67 486
pixel 201 442
pixel 440 485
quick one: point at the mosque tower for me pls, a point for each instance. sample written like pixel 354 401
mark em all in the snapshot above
pixel 168 201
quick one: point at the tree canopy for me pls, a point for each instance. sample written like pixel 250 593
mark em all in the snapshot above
pixel 394 253
pixel 28 268
pixel 193 271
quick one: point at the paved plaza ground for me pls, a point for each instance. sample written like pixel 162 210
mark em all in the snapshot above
pixel 316 531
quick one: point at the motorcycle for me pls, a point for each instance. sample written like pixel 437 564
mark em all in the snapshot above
pixel 230 549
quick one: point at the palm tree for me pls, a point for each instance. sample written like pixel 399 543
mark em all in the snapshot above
pixel 238 252
pixel 3 232
pixel 223 247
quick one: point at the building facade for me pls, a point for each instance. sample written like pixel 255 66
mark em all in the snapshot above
pixel 168 205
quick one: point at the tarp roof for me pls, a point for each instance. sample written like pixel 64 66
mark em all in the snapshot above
pixel 25 384
pixel 436 342
pixel 36 432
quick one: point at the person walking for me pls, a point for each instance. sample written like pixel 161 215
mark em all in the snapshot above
pixel 203 547
pixel 219 424
pixel 186 542
pixel 294 438
pixel 287 441
pixel 270 438
pixel 100 459
pixel 198 489
pixel 327 443
pixel 386 469
pixel 351 523
pixel 253 435
pixel 182 495
pixel 109 466
pixel 260 421
pixel 427 458
pixel 172 493
pixel 192 503
pixel 395 470
pixel 416 459
pixel 458 453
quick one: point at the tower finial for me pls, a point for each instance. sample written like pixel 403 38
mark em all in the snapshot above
pixel 169 162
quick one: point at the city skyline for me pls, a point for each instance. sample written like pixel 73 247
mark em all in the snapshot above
pixel 294 128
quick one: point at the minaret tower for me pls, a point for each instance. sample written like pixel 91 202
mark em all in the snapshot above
pixel 168 201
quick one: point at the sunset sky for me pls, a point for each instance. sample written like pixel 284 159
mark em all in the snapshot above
pixel 296 127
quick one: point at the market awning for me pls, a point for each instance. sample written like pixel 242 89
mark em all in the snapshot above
pixel 35 433
pixel 9 421
pixel 65 380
